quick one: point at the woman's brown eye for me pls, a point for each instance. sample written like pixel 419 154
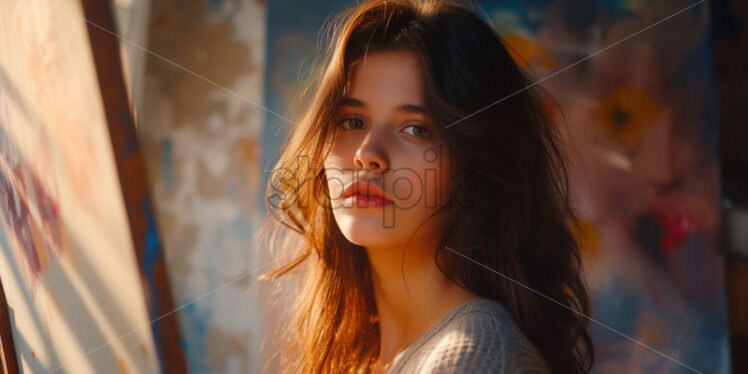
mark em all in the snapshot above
pixel 418 131
pixel 351 123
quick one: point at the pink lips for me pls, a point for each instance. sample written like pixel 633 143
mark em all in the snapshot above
pixel 366 194
pixel 363 201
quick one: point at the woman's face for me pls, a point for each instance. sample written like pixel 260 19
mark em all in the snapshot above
pixel 384 140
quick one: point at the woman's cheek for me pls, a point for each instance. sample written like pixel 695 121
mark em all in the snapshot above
pixel 333 174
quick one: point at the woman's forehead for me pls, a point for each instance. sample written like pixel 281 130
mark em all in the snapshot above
pixel 385 77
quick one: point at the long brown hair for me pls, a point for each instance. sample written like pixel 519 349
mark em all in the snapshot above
pixel 513 211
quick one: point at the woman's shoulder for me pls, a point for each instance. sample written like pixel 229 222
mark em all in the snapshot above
pixel 479 336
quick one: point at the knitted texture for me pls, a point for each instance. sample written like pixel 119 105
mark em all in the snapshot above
pixel 477 337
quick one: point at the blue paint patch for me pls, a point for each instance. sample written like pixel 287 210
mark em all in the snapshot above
pixel 150 258
pixel 618 10
pixel 619 304
pixel 240 228
pixel 194 323
pixel 151 254
pixel 529 15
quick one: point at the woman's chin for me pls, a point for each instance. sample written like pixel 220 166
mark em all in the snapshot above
pixel 366 231
pixel 369 239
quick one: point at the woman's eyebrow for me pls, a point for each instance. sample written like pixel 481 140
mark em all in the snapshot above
pixel 408 108
pixel 411 108
pixel 349 101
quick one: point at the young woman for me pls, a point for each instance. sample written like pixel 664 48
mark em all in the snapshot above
pixel 426 182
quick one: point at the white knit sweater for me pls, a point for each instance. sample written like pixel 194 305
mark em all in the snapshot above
pixel 477 337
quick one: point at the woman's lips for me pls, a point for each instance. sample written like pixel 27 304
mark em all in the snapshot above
pixel 366 193
pixel 371 201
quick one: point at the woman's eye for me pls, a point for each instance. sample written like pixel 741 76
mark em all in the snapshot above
pixel 418 131
pixel 351 123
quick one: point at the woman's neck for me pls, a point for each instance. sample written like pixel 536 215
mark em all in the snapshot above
pixel 408 312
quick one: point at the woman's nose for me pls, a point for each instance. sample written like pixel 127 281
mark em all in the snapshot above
pixel 371 152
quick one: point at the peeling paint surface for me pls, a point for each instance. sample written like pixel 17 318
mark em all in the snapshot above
pixel 202 150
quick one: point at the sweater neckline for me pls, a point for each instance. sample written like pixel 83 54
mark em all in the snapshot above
pixel 475 304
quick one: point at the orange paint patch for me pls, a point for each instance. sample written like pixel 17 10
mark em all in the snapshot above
pixel 527 51
pixel 121 365
pixel 588 237
pixel 249 149
pixel 626 113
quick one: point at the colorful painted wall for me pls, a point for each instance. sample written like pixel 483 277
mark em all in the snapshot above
pixel 74 290
pixel 641 115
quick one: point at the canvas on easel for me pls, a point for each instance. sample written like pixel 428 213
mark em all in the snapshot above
pixel 80 261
